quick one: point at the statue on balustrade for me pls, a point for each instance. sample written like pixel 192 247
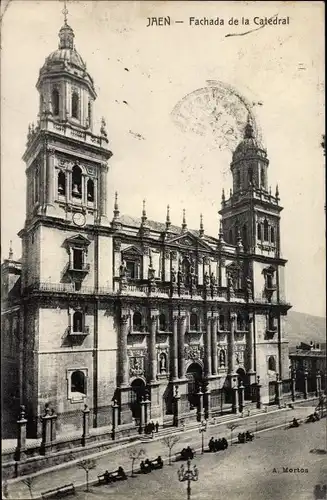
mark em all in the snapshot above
pixel 206 279
pixel 123 270
pixel 230 286
pixel 173 275
pixel 249 287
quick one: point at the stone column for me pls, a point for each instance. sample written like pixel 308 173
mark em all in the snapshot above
pixel 115 409
pixel 293 382
pixel 142 419
pixel 53 425
pixel 152 349
pixel 50 176
pixel 318 384
pixel 259 403
pixel 251 372
pixel 207 347
pixel 207 396
pixel 278 397
pixel 84 189
pixel 21 436
pixel 231 360
pixel 86 425
pixel 305 388
pixel 214 356
pixel 175 348
pixel 241 397
pixel 46 431
pixel 181 339
pixel 103 190
pixel 177 406
pixel 235 403
pixel 122 352
pixel 200 406
pixel 147 410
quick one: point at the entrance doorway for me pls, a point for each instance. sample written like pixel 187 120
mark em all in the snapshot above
pixel 242 377
pixel 194 376
pixel 137 392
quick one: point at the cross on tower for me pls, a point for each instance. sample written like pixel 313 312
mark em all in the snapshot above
pixel 65 12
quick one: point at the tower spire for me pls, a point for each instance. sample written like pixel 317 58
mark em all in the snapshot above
pixel 184 225
pixel 65 12
pixel 168 218
pixel 11 253
pixel 201 232
pixel 144 217
pixel 248 131
pixel 116 208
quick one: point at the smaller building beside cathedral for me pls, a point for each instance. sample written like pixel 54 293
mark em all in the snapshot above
pixel 106 307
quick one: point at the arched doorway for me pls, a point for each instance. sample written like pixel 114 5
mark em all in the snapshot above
pixel 242 377
pixel 137 392
pixel 194 376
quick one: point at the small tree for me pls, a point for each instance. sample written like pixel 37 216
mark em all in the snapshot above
pixel 170 442
pixel 5 493
pixel 87 465
pixel 29 483
pixel 136 454
pixel 232 427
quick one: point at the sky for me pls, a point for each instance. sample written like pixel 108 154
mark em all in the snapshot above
pixel 280 66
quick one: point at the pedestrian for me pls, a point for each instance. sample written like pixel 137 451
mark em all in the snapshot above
pixel 157 426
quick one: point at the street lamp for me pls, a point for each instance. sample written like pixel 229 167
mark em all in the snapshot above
pixel 188 475
pixel 202 430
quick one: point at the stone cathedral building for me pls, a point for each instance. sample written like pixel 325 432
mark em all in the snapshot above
pixel 105 307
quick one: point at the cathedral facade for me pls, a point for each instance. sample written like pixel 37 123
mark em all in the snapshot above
pixel 111 308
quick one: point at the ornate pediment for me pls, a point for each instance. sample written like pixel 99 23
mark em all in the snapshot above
pixel 79 240
pixel 132 251
pixel 189 240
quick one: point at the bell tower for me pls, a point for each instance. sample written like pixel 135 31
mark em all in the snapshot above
pixel 251 213
pixel 66 160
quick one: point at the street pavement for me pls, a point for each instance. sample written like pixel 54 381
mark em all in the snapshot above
pixel 110 460
pixel 268 468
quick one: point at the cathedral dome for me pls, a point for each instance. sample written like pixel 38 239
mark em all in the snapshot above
pixel 66 52
pixel 250 145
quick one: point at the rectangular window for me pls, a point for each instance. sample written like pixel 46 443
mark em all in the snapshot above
pixel 77 258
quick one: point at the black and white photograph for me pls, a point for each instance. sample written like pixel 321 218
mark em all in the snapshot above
pixel 163 292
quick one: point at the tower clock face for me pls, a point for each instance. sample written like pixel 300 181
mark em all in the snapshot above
pixel 218 111
pixel 79 219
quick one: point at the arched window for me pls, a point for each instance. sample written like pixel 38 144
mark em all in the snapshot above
pixel 272 235
pixel 259 232
pixel 263 177
pixel 55 102
pixel 162 322
pixel 78 382
pixel 230 236
pixel 194 322
pixel 244 235
pixel 90 190
pixel 77 321
pixel 61 183
pixel 250 175
pixel 137 321
pixel 222 358
pixel 77 182
pixel 238 179
pixel 272 363
pixel 265 230
pixel 75 105
pixel 240 322
pixel 221 322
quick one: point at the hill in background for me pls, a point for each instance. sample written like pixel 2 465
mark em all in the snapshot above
pixel 302 327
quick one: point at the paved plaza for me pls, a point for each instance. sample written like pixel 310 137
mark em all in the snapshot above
pixel 240 469
pixel 245 471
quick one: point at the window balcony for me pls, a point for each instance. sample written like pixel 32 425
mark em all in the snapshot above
pixel 85 330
